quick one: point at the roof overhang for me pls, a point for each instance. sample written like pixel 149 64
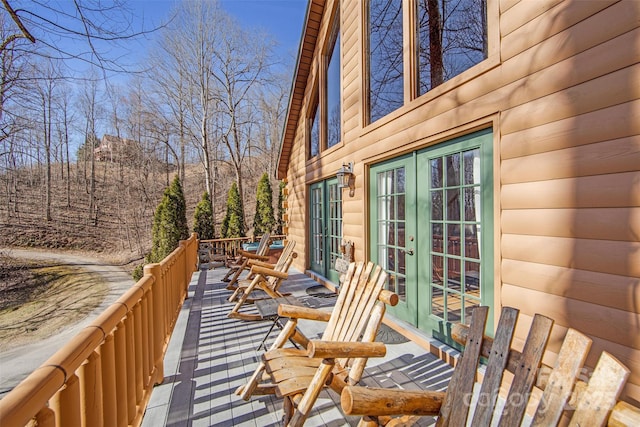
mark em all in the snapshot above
pixel 315 9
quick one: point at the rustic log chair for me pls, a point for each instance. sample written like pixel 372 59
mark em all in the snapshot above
pixel 241 263
pixel 266 279
pixel 593 401
pixel 338 358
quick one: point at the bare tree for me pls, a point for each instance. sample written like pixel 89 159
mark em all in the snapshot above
pixel 45 87
pixel 241 67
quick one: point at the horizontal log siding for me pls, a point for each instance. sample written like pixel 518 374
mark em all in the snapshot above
pixel 563 94
pixel 522 12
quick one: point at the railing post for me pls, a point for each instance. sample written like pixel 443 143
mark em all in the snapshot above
pixel 130 368
pixel 66 403
pixel 91 391
pixel 120 341
pixel 46 418
pixel 158 320
pixel 137 350
pixel 146 341
pixel 109 396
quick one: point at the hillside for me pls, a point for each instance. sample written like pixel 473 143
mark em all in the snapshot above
pixel 119 225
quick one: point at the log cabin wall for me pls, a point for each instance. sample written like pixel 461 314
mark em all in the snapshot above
pixel 560 90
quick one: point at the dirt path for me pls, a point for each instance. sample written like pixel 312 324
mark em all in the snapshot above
pixel 18 362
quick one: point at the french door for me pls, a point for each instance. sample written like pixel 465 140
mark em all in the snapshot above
pixel 325 200
pixel 431 229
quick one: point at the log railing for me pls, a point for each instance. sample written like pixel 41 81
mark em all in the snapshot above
pixel 105 374
pixel 227 248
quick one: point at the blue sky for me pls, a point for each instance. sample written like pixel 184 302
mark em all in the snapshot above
pixel 281 18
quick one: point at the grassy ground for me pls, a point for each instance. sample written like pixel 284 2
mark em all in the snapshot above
pixel 37 300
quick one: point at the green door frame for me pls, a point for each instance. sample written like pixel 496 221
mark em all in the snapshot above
pixel 398 254
pixel 417 307
pixel 325 231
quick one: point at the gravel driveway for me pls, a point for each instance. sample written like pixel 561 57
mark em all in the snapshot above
pixel 17 363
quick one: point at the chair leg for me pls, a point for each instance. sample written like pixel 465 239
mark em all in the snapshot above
pixel 234 279
pixel 286 332
pixel 287 410
pixel 311 394
pixel 229 273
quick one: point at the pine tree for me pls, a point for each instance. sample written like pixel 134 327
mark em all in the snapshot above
pixel 233 223
pixel 169 225
pixel 177 197
pixel 203 218
pixel 279 222
pixel 263 220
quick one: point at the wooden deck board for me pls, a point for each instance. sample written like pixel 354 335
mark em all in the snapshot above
pixel 214 355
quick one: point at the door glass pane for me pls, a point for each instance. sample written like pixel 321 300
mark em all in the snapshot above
pixel 452 171
pixel 436 173
pixel 453 204
pixel 472 203
pixel 472 166
pixel 437 303
pixel 436 205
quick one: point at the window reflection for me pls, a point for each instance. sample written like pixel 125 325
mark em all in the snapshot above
pixel 385 58
pixel 452 37
pixel 314 134
pixel 333 91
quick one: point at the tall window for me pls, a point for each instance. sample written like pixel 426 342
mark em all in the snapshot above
pixel 325 127
pixel 452 37
pixel 314 130
pixel 386 85
pixel 334 106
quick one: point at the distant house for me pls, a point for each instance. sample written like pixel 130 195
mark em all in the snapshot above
pixel 495 153
pixel 115 149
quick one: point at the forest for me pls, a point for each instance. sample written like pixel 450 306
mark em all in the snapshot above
pixel 89 142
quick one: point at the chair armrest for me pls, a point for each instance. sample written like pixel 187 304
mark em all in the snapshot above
pixel 298 312
pixel 252 256
pixel 265 271
pixel 258 263
pixel 339 349
pixel 382 401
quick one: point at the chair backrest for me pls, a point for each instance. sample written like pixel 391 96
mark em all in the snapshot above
pixel 263 246
pixel 358 311
pixel 605 383
pixel 282 265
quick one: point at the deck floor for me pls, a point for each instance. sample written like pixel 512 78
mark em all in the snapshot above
pixel 210 355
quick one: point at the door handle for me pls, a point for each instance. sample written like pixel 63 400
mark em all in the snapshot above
pixel 409 252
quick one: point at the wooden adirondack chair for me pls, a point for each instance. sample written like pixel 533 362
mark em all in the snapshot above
pixel 467 403
pixel 241 263
pixel 338 359
pixel 266 279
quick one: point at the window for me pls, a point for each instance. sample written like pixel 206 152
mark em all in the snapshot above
pixel 386 82
pixel 325 120
pixel 451 37
pixel 334 106
pixel 314 130
pixel 446 37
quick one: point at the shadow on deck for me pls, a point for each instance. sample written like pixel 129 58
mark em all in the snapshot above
pixel 209 356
